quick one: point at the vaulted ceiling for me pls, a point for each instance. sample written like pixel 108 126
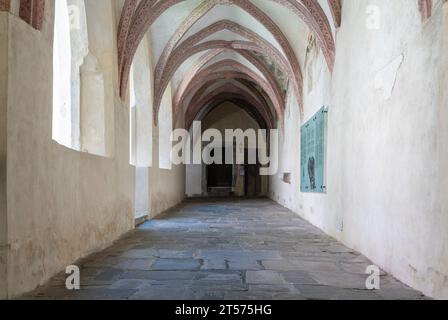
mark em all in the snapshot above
pixel 251 50
pixel 207 50
pixel 210 50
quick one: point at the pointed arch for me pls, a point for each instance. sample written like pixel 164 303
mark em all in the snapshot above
pixel 183 55
pixel 336 11
pixel 425 7
pixel 32 12
pixel 188 48
pixel 25 10
pixel 227 83
pixel 220 97
pixel 123 27
pixel 238 71
pixel 147 12
pixel 5 5
pixel 235 99
pixel 187 83
pixel 252 10
pixel 216 81
pixel 231 88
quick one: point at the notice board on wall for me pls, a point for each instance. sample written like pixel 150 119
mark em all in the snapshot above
pixel 313 153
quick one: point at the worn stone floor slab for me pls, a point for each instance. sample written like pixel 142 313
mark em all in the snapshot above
pixel 226 250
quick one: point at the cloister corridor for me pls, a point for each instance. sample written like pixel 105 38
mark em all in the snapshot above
pixel 224 150
pixel 226 249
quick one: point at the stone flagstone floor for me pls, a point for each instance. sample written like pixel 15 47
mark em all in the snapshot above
pixel 225 249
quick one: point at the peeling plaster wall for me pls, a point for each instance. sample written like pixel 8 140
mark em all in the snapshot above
pixel 62 204
pixel 387 163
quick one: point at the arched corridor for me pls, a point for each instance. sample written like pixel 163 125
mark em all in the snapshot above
pixel 241 149
pixel 228 178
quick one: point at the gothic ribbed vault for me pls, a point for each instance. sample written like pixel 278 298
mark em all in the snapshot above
pixel 242 49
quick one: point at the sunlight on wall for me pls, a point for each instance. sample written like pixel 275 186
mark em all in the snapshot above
pixel 62 120
pixel 141 115
pixel 132 120
pixel 165 129
pixel 69 50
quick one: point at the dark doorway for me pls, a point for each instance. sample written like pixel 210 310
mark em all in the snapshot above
pixel 252 181
pixel 252 178
pixel 220 176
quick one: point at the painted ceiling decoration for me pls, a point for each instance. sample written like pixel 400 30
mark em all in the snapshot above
pixel 5 5
pixel 32 11
pixel 278 58
pixel 203 80
pixel 271 63
pixel 194 75
pixel 190 47
pixel 193 113
pixel 336 11
pixel 248 7
pixel 217 83
pixel 236 99
pixel 425 7
pixel 273 69
pixel 200 54
pixel 214 72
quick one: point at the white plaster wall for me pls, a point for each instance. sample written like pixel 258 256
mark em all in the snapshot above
pixel 387 158
pixel 63 126
pixel 79 43
pixel 62 204
pixel 93 109
pixel 167 181
pixel 294 29
pixel 141 128
pixel 142 192
pixel 165 129
pixel 167 24
pixel 167 185
pixel 193 180
pixel 102 45
pixel 235 14
pixel 143 92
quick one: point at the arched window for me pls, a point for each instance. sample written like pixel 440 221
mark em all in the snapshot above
pixel 69 50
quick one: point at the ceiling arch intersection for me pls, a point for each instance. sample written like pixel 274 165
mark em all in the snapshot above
pixel 138 17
